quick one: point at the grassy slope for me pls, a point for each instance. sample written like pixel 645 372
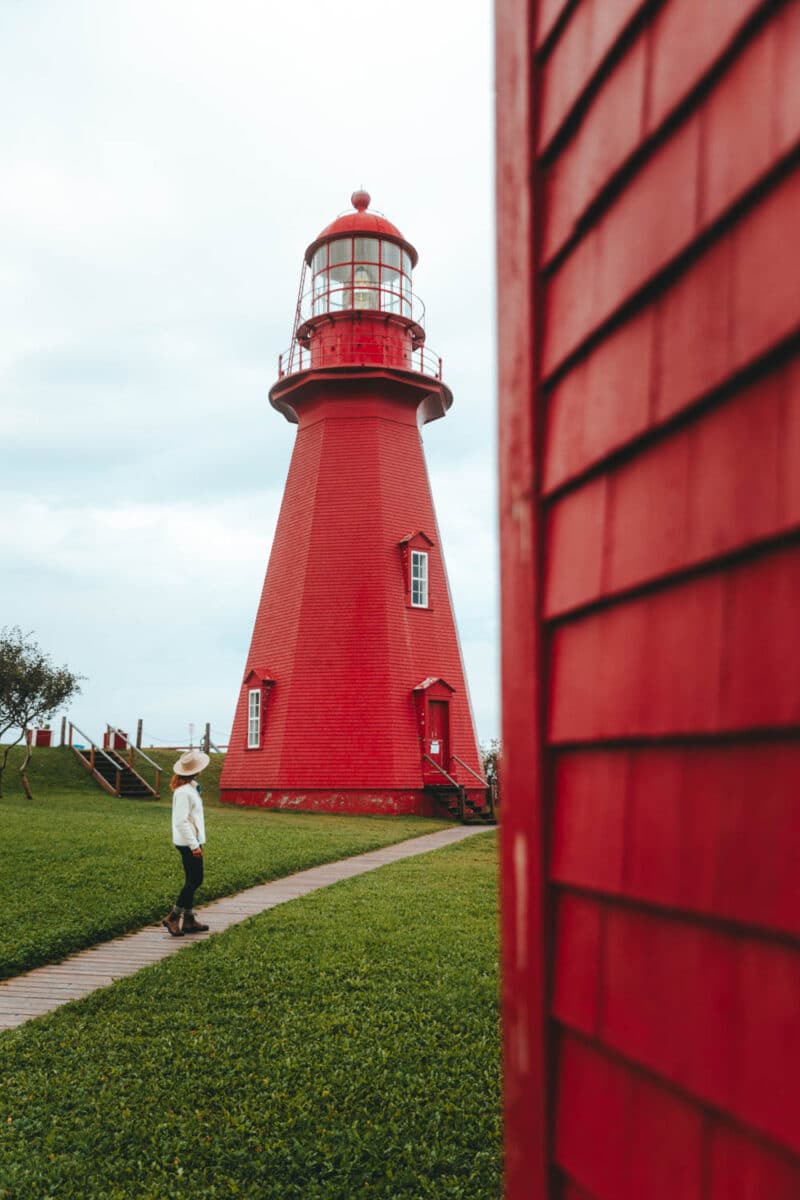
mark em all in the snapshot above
pixel 343 1045
pixel 79 866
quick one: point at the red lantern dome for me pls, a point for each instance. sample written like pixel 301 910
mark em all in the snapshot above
pixel 364 224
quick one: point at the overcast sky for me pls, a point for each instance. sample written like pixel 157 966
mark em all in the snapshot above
pixel 163 165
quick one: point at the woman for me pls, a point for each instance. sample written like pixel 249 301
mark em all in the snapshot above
pixel 188 835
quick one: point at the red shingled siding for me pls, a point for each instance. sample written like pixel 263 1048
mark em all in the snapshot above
pixel 333 627
pixel 648 215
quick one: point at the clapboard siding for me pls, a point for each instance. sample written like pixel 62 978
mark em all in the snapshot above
pixel 721 484
pixel 714 653
pixel 650 519
pixel 650 227
pixel 725 858
pixel 742 141
pixel 713 1013
pixel 590 34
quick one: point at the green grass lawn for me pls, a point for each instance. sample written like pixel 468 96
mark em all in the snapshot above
pixel 342 1045
pixel 79 866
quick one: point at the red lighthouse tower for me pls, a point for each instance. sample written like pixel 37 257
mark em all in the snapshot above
pixel 354 697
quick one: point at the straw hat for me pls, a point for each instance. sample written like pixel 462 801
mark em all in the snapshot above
pixel 191 763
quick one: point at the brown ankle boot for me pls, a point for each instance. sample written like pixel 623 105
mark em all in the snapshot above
pixel 172 923
pixel 192 925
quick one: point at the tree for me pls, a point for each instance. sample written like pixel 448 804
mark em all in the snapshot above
pixel 31 689
pixel 490 758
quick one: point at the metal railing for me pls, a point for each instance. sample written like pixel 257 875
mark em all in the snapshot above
pixel 442 771
pixel 367 297
pixel 359 350
pixel 488 810
pixel 457 786
pixel 132 749
pixel 89 761
pixel 483 782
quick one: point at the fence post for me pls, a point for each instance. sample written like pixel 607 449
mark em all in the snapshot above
pixel 63 730
pixel 139 734
pixel 207 738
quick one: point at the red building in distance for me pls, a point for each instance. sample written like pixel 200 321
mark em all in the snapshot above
pixel 354 697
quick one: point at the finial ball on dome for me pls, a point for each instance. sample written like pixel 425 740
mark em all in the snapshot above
pixel 360 200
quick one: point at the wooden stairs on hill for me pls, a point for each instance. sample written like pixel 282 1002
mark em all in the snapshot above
pixel 112 770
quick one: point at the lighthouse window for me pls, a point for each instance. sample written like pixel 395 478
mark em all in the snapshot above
pixel 419 579
pixel 254 719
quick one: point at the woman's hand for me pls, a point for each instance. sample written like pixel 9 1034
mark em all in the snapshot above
pixel 198 853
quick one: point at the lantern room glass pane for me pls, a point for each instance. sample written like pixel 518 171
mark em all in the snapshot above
pixel 406 263
pixel 341 250
pixel 390 255
pixel 365 290
pixel 390 290
pixel 320 259
pixel 340 279
pixel 405 288
pixel 320 302
pixel 366 250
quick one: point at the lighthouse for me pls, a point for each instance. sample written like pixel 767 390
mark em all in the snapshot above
pixel 354 696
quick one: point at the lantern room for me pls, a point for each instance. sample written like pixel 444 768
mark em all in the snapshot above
pixel 361 261
pixel 357 306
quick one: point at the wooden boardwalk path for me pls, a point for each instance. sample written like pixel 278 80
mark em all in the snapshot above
pixel 45 988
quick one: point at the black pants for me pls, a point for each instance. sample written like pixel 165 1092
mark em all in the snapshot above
pixel 193 876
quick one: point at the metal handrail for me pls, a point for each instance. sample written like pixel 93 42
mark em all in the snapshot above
pixel 439 767
pixel 136 749
pixel 409 305
pixel 480 779
pixel 156 790
pixel 362 350
pixel 94 746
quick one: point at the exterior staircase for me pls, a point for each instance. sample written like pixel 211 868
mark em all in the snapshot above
pixel 130 784
pixel 464 807
pixel 469 807
pixel 113 771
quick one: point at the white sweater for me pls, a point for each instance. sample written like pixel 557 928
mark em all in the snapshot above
pixel 188 826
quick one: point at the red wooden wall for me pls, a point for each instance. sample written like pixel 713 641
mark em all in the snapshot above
pixel 648 184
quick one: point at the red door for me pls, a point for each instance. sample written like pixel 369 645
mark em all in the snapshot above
pixel 439 732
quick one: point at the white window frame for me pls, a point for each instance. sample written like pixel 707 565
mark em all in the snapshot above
pixel 254 719
pixel 419 579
